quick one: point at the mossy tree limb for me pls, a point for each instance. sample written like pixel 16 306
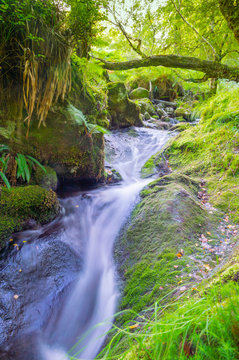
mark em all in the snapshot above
pixel 211 69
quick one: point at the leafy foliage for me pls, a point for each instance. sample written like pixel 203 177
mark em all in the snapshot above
pixel 35 55
pixel 16 166
pixel 82 20
pixel 81 120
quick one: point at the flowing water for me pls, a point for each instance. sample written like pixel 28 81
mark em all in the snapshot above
pixel 63 273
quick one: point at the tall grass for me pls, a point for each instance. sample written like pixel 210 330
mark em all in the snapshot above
pixel 205 326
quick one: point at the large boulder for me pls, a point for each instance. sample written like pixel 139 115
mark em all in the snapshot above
pixel 23 206
pixel 159 249
pixel 123 112
pixel 139 93
pixel 63 146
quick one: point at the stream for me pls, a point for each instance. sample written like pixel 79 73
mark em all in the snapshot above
pixel 58 284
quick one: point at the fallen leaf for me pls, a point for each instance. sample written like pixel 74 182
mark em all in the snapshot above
pixel 20 270
pixel 134 326
pixel 77 206
pixel 179 255
pixel 16 297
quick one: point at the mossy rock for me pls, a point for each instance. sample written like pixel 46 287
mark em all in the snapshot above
pixel 46 179
pixel 139 93
pixel 155 165
pixel 20 205
pixel 165 88
pixel 146 106
pixel 181 127
pixel 184 111
pixel 123 111
pixel 168 218
pixel 73 155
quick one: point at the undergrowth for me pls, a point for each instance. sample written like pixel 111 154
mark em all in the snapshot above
pixel 205 326
pixel 210 150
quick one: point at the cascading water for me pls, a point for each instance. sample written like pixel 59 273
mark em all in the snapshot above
pixel 75 311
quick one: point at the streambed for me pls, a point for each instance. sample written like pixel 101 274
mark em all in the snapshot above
pixel 58 285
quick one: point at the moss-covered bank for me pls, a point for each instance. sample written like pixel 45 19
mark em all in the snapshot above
pixel 184 227
pixel 20 205
pixel 161 247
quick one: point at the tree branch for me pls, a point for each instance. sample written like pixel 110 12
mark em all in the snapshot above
pixel 210 68
pixel 192 27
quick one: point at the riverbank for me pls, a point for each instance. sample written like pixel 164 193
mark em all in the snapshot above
pixel 179 236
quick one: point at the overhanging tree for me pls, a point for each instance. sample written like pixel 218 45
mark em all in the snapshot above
pixel 193 27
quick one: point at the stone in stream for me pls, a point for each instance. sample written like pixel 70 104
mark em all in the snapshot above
pixel 48 266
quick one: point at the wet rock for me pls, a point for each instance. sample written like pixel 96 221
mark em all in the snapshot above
pixel 165 103
pixel 123 112
pixel 112 176
pixel 161 125
pixel 146 116
pixel 30 286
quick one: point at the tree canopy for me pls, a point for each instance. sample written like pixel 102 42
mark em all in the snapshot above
pixel 183 34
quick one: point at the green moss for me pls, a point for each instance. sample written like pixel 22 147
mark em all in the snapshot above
pixel 123 112
pixel 168 219
pixel 21 204
pixel 181 126
pixel 149 168
pixel 146 106
pixel 47 180
pixel 210 150
pixel 139 93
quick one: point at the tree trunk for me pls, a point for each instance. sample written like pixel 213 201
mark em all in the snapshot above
pixel 211 69
pixel 230 11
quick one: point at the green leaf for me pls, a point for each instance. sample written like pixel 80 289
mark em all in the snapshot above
pixel 23 169
pixel 5 180
pixel 77 115
pixel 36 162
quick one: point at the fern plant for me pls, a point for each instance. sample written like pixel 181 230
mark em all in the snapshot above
pixel 86 127
pixel 16 166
